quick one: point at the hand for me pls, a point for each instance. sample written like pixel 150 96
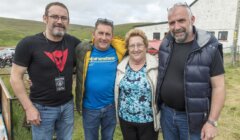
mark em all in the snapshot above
pixel 33 116
pixel 29 81
pixel 208 132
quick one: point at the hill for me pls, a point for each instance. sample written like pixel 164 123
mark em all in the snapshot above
pixel 13 30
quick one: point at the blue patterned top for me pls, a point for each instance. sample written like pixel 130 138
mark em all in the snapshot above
pixel 135 97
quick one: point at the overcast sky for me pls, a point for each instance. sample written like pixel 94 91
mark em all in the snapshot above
pixel 86 12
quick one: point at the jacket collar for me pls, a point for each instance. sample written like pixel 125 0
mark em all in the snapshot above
pixel 201 37
pixel 151 62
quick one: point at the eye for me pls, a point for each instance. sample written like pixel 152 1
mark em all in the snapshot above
pixel 108 34
pixel 54 16
pixel 100 33
pixel 64 18
pixel 171 23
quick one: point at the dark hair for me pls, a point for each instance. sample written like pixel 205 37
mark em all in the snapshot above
pixel 104 21
pixel 55 4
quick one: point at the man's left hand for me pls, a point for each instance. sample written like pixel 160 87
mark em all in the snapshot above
pixel 209 132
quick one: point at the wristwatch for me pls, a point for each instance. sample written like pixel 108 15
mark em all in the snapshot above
pixel 213 123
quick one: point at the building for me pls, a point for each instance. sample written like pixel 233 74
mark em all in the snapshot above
pixel 216 16
pixel 153 46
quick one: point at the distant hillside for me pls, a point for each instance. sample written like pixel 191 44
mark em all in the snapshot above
pixel 13 30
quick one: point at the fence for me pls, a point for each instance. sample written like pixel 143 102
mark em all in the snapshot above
pixel 6 104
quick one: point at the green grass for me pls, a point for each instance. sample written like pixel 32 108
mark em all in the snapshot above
pixel 229 122
pixel 13 30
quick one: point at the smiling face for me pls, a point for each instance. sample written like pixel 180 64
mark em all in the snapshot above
pixel 137 49
pixel 102 36
pixel 56 21
pixel 180 23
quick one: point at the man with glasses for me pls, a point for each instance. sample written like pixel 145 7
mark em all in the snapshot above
pixel 49 58
pixel 96 71
pixel 191 89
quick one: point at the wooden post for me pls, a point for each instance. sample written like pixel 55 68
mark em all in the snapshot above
pixel 6 101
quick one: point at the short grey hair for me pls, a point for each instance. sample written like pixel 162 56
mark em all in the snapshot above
pixel 180 4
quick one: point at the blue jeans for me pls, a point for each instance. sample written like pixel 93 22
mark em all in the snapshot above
pixel 174 125
pixel 59 119
pixel 93 119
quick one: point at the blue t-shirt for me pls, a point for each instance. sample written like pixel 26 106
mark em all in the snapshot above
pixel 100 79
pixel 135 97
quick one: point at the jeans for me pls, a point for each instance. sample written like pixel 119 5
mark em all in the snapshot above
pixel 59 119
pixel 174 125
pixel 93 119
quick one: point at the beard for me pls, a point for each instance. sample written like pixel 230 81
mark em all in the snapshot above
pixel 58 33
pixel 184 34
pixel 58 30
pixel 180 38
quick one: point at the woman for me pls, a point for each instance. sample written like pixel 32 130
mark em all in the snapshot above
pixel 135 88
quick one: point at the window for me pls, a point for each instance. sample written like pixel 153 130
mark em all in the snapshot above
pixel 222 35
pixel 212 32
pixel 156 36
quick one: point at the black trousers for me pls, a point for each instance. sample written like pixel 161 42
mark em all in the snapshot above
pixel 138 131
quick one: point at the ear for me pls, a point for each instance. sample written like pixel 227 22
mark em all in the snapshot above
pixel 193 19
pixel 45 19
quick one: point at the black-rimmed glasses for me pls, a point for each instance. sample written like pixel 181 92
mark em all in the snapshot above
pixel 56 18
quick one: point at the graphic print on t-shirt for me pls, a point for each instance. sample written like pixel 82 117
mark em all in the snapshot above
pixel 59 58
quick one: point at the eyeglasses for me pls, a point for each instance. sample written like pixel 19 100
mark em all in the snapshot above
pixel 138 46
pixel 56 18
pixel 104 21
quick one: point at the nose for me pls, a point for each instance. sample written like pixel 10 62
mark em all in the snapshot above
pixel 136 47
pixel 59 20
pixel 177 26
pixel 104 36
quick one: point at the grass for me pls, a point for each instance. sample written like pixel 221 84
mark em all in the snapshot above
pixel 229 121
pixel 13 30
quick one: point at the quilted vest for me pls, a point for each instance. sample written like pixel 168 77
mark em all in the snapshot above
pixel 197 86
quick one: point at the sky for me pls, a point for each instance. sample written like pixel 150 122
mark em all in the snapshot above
pixel 86 12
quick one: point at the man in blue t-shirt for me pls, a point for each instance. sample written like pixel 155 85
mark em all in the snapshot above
pixel 96 72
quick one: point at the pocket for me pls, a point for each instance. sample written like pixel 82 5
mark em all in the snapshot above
pixel 39 107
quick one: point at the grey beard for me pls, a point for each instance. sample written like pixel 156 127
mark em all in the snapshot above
pixel 58 33
pixel 182 40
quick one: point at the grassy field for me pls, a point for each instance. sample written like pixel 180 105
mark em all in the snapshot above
pixel 229 122
pixel 13 30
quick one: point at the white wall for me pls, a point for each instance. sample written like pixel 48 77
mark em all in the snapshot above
pixel 216 15
pixel 211 15
pixel 149 30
